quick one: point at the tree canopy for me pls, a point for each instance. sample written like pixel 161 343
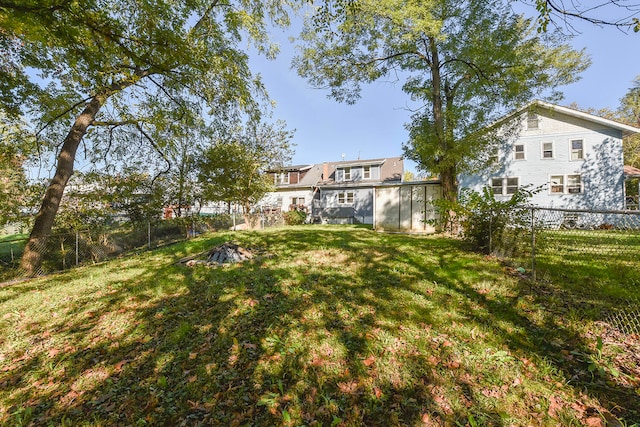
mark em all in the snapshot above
pixel 623 15
pixel 106 73
pixel 464 63
pixel 235 170
pixel 629 112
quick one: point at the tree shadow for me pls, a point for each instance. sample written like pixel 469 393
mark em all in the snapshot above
pixel 340 326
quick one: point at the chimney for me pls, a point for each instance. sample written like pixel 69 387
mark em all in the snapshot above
pixel 325 171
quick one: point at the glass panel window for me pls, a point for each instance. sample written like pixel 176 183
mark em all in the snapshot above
pixel 345 198
pixel 557 184
pixel 519 152
pixel 282 178
pixel 547 150
pixel 577 149
pixel 574 184
pixel 347 174
pixel 512 185
pixel 532 121
pixel 496 186
pixel 366 172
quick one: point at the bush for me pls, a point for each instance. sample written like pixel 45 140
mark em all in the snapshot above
pixel 295 217
pixel 490 225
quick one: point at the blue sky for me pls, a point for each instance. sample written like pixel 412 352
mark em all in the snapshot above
pixel 374 127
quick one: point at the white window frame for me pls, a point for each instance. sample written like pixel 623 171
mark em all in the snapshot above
pixel 542 150
pixel 579 150
pixel 557 181
pixel 505 188
pixel 297 201
pixel 366 172
pixel 346 174
pixel 516 152
pixel 281 178
pixel 572 187
pixel 565 185
pixel 345 198
pixel 533 121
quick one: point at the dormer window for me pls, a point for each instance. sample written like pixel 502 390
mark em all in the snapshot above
pixel 281 178
pixel 347 174
pixel 366 172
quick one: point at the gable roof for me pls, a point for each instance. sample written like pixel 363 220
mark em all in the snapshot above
pixel 625 129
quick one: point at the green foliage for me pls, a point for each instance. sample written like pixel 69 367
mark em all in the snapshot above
pixel 235 169
pixel 465 63
pixel 488 224
pixel 295 217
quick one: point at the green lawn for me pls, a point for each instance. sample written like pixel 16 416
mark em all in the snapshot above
pixel 337 326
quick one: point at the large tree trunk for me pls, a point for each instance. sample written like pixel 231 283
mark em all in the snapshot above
pixel 36 246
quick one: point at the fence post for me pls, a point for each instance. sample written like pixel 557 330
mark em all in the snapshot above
pixel 490 232
pixel 77 247
pixel 533 244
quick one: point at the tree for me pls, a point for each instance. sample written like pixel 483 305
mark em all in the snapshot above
pixel 629 111
pixel 118 65
pixel 466 62
pixel 16 193
pixel 234 170
pixel 615 13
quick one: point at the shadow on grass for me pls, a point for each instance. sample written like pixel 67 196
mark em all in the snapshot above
pixel 342 326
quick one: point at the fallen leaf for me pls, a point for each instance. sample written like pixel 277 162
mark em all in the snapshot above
pixel 369 361
pixel 377 392
pixel 594 422
pixel 192 356
pixel 555 405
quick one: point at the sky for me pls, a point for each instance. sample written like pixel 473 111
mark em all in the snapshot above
pixel 374 127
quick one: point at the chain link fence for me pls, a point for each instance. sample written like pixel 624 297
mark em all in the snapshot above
pixel 65 250
pixel 595 253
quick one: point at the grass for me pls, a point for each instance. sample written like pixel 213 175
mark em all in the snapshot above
pixel 340 326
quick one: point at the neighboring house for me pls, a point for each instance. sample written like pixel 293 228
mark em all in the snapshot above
pixel 333 192
pixel 575 158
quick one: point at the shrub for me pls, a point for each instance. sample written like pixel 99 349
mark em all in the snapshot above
pixel 295 217
pixel 490 225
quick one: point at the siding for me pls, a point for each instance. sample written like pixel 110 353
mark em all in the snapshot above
pixel 601 170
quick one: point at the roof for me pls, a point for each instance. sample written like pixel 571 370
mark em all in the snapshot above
pixel 625 129
pixel 631 172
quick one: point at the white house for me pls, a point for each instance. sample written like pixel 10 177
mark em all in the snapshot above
pixel 574 157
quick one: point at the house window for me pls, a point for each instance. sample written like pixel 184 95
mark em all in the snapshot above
pixel 518 153
pixel 566 184
pixel 557 184
pixel 494 157
pixel 297 201
pixel 577 149
pixel 345 198
pixel 574 184
pixel 496 186
pixel 347 174
pixel 505 186
pixel 547 150
pixel 532 121
pixel 282 178
pixel 366 172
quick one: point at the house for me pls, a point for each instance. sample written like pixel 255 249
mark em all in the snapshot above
pixel 333 192
pixel 574 158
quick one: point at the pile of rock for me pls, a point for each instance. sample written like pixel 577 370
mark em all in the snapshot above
pixel 227 253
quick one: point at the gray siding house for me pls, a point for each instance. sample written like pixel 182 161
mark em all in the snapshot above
pixel 333 192
pixel 574 157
